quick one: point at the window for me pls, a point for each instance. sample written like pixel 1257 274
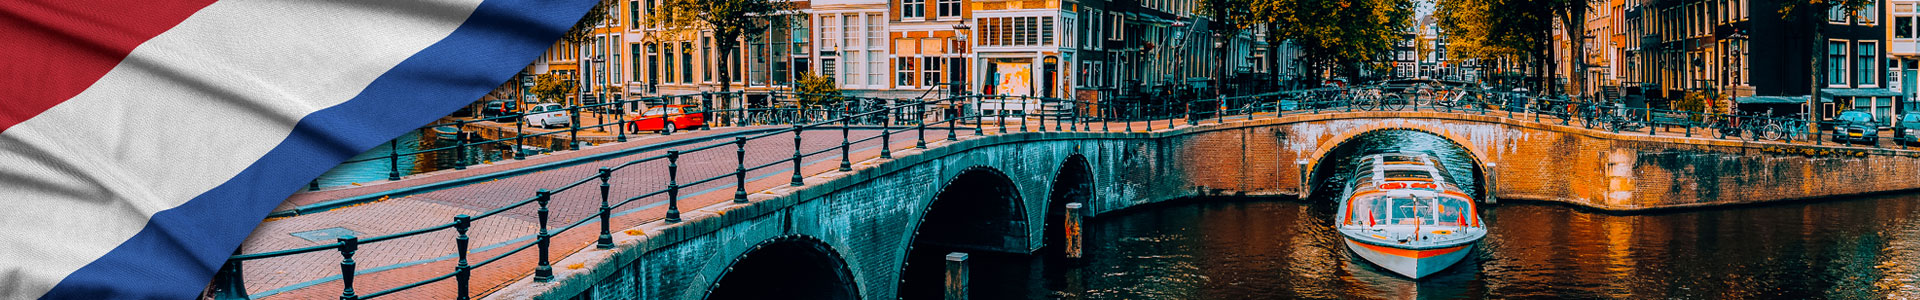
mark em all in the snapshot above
pixel 907 71
pixel 614 64
pixel 1016 31
pixel 1868 54
pixel 1837 14
pixel 635 52
pixel 829 34
pixel 1837 63
pixel 876 50
pixel 1067 39
pixel 707 59
pixel 949 8
pixel 1119 27
pixel 686 62
pixel 1903 27
pixel 802 32
pixel 653 63
pixel 1870 14
pixel 850 49
pixel 633 14
pixel 930 71
pixel 827 68
pixel 913 9
pixel 667 76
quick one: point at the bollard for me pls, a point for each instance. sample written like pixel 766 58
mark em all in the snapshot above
pixel 740 170
pixel 393 160
pixel 797 157
pixel 846 145
pixel 956 276
pixel 673 186
pixel 229 282
pixel 519 144
pixel 886 134
pixel 1493 184
pixel 348 244
pixel 543 272
pixel 606 212
pixel 460 148
pixel 921 125
pixel 573 127
pixel 1073 236
pixel 462 272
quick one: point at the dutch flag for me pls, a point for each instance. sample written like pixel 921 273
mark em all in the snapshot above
pixel 141 141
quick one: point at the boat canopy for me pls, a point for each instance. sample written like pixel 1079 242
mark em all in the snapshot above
pixel 1412 210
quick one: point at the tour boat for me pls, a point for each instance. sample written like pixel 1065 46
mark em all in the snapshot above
pixel 1401 212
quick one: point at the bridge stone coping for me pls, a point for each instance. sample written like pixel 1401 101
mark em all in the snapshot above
pixel 1550 162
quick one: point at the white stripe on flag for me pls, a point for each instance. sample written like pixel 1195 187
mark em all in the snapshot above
pixel 185 112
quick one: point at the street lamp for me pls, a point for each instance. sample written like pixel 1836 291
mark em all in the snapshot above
pixel 961 41
pixel 600 93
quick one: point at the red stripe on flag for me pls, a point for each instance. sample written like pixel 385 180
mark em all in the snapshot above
pixel 54 49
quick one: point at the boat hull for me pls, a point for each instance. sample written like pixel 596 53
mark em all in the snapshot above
pixel 1408 262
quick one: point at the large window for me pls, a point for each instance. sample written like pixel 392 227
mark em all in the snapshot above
pixel 707 59
pixel 686 62
pixel 667 77
pixel 829 33
pixel 1016 31
pixel 635 54
pixel 1868 54
pixel 653 63
pixel 907 70
pixel 913 9
pixel 876 50
pixel 1837 63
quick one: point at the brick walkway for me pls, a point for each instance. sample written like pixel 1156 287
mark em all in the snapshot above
pixel 393 263
pixel 398 262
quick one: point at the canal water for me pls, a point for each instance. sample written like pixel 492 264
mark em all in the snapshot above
pixel 1247 248
pixel 373 166
pixel 1862 248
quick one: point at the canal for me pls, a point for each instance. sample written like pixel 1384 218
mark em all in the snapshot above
pixel 1225 248
pixel 374 165
pixel 1283 248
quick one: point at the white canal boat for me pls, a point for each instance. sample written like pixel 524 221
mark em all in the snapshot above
pixel 1401 212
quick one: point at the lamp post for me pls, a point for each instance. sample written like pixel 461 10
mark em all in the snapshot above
pixel 1733 64
pixel 962 44
pixel 599 93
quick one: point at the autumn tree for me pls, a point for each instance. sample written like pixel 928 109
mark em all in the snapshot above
pixel 1335 35
pixel 727 20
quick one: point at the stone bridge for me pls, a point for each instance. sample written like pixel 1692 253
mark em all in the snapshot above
pixel 852 235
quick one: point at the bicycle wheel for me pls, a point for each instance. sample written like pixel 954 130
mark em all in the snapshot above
pixel 1772 131
pixel 1393 103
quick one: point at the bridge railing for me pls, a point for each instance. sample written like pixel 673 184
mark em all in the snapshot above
pixel 978 113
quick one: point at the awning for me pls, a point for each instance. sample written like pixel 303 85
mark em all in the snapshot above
pixel 1866 92
pixel 1771 100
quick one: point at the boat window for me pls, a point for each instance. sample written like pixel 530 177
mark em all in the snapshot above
pixel 1409 174
pixel 1453 211
pixel 1398 158
pixel 1410 211
pixel 1377 210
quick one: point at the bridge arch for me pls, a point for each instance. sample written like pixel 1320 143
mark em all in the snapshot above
pixel 1322 162
pixel 787 267
pixel 1072 182
pixel 977 210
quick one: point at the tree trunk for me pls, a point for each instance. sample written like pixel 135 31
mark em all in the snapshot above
pixel 1818 55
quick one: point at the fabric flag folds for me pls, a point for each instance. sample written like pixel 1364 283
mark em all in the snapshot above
pixel 141 141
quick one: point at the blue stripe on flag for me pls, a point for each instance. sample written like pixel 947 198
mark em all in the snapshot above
pixel 176 254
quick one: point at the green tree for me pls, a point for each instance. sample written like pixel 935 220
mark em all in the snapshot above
pixel 1338 35
pixel 817 90
pixel 553 87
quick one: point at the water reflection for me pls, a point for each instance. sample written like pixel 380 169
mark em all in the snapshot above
pixel 1234 249
pixel 373 165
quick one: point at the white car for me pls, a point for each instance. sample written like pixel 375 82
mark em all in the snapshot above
pixel 547 114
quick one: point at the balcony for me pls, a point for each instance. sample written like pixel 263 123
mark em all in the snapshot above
pixel 1905 47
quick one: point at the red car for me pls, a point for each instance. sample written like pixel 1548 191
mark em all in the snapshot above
pixel 667 118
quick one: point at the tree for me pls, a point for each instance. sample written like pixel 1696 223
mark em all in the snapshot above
pixel 1335 34
pixel 1815 14
pixel 728 20
pixel 1496 31
pixel 553 87
pixel 817 90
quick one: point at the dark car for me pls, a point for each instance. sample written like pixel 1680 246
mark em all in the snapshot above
pixel 1907 131
pixel 497 108
pixel 1855 126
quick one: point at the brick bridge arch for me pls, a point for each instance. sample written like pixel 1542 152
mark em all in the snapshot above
pixel 1484 141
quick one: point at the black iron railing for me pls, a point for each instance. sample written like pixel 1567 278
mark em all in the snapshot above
pixel 983 115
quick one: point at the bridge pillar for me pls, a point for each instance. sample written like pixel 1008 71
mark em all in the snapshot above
pixel 956 276
pixel 1073 236
pixel 1305 185
pixel 1493 184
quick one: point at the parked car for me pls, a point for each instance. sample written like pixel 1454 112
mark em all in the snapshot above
pixel 497 108
pixel 1855 126
pixel 1907 131
pixel 547 114
pixel 667 118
